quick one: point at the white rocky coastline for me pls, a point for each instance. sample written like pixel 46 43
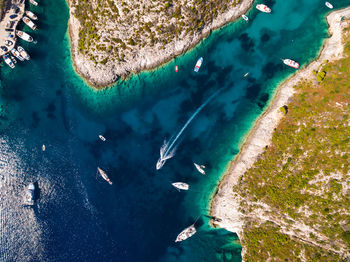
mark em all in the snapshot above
pixel 100 75
pixel 225 204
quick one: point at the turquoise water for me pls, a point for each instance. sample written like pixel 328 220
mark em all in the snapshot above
pixel 78 217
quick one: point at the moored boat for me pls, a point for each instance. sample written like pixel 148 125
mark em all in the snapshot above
pixel 291 63
pixel 198 64
pixel 104 175
pixel 8 61
pixel 176 68
pixel 29 195
pixel 329 5
pixel 33 2
pixel 181 185
pixel 200 168
pixel 29 22
pixel 17 54
pixel 24 36
pixel 246 74
pixel 23 54
pixel 245 17
pixel 186 233
pixel 43 147
pixel 102 137
pixel 31 15
pixel 263 8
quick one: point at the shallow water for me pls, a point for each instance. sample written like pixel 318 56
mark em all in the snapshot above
pixel 78 216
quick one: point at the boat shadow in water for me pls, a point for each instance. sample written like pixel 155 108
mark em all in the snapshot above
pixel 37 191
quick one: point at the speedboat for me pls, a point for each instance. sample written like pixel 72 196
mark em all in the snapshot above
pixel 29 22
pixel 176 68
pixel 24 54
pixel 245 17
pixel 24 36
pixel 33 2
pixel 246 74
pixel 291 63
pixel 181 185
pixel 43 147
pixel 8 61
pixel 329 5
pixel 198 64
pixel 29 195
pixel 263 8
pixel 104 175
pixel 17 54
pixel 31 15
pixel 186 233
pixel 102 137
pixel 200 168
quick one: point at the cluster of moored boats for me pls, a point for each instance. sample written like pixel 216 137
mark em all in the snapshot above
pixel 19 53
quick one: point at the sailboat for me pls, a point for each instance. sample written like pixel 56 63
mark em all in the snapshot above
pixel 104 175
pixel 181 186
pixel 186 233
pixel 200 168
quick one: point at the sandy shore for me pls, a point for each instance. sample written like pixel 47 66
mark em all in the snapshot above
pixel 147 58
pixel 225 204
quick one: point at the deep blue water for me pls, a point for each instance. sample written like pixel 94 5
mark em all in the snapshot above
pixel 78 216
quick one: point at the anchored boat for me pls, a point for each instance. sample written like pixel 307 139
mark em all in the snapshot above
pixel 263 8
pixel 31 15
pixel 23 53
pixel 245 17
pixel 33 2
pixel 29 195
pixel 29 22
pixel 17 54
pixel 181 185
pixel 102 137
pixel 186 233
pixel 24 36
pixel 329 5
pixel 8 61
pixel 291 63
pixel 176 68
pixel 104 175
pixel 198 64
pixel 200 168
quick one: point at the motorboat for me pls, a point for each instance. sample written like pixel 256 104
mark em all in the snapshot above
pixel 198 64
pixel 181 185
pixel 291 63
pixel 17 54
pixel 43 147
pixel 102 137
pixel 24 36
pixel 200 168
pixel 24 54
pixel 8 61
pixel 13 59
pixel 104 175
pixel 29 195
pixel 29 22
pixel 246 74
pixel 329 5
pixel 176 68
pixel 33 2
pixel 245 17
pixel 186 233
pixel 263 8
pixel 8 42
pixel 31 15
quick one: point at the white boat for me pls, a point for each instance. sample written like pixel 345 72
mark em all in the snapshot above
pixel 29 195
pixel 24 54
pixel 200 168
pixel 102 137
pixel 17 54
pixel 198 64
pixel 181 185
pixel 291 63
pixel 24 36
pixel 245 17
pixel 329 5
pixel 29 22
pixel 186 233
pixel 31 15
pixel 104 175
pixel 33 2
pixel 246 74
pixel 43 148
pixel 8 61
pixel 263 8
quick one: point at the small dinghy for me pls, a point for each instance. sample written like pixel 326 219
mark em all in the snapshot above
pixel 329 5
pixel 43 148
pixel 245 17
pixel 198 64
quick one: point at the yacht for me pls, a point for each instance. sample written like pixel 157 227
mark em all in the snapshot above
pixel 29 22
pixel 186 233
pixel 200 168
pixel 8 61
pixel 29 195
pixel 31 15
pixel 198 64
pixel 291 63
pixel 23 53
pixel 263 8
pixel 102 137
pixel 329 5
pixel 17 54
pixel 245 17
pixel 104 175
pixel 181 185
pixel 33 2
pixel 24 36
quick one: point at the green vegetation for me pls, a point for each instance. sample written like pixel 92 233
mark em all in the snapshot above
pixel 304 176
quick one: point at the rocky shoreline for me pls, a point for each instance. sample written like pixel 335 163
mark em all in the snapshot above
pixel 225 203
pixel 100 76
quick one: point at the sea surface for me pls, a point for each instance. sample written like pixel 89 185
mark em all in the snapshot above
pixel 78 216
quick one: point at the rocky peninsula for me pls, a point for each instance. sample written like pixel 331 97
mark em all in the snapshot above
pixel 286 192
pixel 111 39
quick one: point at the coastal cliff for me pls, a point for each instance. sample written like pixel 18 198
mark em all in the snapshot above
pixel 286 194
pixel 112 39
